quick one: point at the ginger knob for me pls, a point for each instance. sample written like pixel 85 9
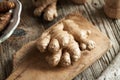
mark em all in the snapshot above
pixel 4 20
pixel 6 6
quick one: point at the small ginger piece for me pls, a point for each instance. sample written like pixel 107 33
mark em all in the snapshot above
pixel 83 46
pixel 54 45
pixel 64 43
pixel 4 20
pixel 48 7
pixel 65 59
pixel 50 12
pixel 6 6
pixel 43 43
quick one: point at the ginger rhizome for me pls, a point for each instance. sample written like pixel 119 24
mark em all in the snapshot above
pixel 4 20
pixel 48 7
pixel 5 13
pixel 64 42
pixel 6 6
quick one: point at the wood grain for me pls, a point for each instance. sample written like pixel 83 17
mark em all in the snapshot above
pixel 113 71
pixel 30 28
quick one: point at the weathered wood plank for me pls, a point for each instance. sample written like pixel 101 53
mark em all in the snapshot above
pixel 113 71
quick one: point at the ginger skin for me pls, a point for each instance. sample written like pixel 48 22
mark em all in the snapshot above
pixel 6 6
pixel 65 59
pixel 54 59
pixel 46 6
pixel 4 20
pixel 64 43
pixel 50 12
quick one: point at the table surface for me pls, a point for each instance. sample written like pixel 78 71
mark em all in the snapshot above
pixel 30 28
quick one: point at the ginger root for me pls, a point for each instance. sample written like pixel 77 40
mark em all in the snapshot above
pixel 48 7
pixel 50 12
pixel 65 59
pixel 54 59
pixel 4 20
pixel 81 37
pixel 64 42
pixel 6 6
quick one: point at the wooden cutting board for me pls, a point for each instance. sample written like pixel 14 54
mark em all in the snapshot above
pixel 29 64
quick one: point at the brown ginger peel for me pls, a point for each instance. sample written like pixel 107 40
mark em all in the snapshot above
pixel 64 43
pixel 4 20
pixel 50 12
pixel 65 59
pixel 6 6
pixel 48 7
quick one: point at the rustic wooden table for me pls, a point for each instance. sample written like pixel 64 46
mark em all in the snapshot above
pixel 31 28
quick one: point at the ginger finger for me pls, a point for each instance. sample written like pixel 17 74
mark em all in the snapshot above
pixel 88 44
pixel 43 43
pixel 54 59
pixel 91 44
pixel 41 5
pixel 38 11
pixel 50 12
pixel 54 46
pixel 65 59
pixel 83 46
pixel 4 20
pixel 74 50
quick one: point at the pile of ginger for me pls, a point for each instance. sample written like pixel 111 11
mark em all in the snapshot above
pixel 64 42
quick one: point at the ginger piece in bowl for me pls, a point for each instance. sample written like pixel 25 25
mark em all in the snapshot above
pixel 5 13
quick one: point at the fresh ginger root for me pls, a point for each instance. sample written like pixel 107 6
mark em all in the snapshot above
pixel 4 20
pixel 50 12
pixel 64 43
pixel 6 6
pixel 82 36
pixel 48 7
